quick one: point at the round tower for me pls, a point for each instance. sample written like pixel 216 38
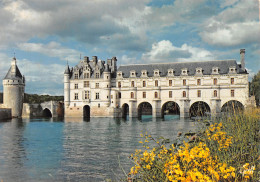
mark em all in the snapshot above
pixel 13 85
pixel 67 87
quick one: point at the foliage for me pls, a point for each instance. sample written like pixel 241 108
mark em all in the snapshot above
pixel 226 150
pixel 255 87
pixel 34 98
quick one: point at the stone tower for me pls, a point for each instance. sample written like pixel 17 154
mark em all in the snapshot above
pixel 67 87
pixel 13 85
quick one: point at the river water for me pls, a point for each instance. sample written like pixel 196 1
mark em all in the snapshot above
pixel 76 150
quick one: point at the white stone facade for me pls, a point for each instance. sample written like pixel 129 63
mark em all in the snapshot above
pixel 106 90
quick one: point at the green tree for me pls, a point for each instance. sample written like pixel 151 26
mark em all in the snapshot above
pixel 255 88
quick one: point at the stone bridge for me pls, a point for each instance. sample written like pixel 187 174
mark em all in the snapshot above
pixel 45 109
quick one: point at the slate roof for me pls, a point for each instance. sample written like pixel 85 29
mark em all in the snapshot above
pixel 206 66
pixel 10 75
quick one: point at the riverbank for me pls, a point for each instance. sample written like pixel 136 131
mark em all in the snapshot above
pixel 226 149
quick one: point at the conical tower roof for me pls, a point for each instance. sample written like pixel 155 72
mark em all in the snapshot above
pixel 13 74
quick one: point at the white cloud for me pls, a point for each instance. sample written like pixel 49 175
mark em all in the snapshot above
pixel 165 51
pixel 235 25
pixel 52 49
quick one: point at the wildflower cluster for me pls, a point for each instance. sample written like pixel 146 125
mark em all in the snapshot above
pixel 218 136
pixel 223 152
pixel 247 171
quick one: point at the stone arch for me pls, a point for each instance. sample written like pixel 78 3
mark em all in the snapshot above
pixel 232 106
pixel 144 108
pixel 125 110
pixel 46 112
pixel 86 111
pixel 199 108
pixel 171 108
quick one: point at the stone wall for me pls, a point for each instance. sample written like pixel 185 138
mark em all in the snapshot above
pixel 5 113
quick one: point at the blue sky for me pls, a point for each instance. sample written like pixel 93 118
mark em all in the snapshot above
pixel 46 34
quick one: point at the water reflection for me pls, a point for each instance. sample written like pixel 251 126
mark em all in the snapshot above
pixel 74 150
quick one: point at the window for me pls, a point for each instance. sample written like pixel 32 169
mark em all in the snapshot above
pixel 85 75
pixel 97 75
pixel 215 81
pixel 76 76
pixel 232 80
pixel 132 95
pixel 170 82
pixel 232 93
pixel 184 82
pixel 144 94
pixel 97 85
pixel 111 96
pixel 76 86
pixel 86 94
pixel 86 83
pixel 199 93
pixel 170 94
pixel 144 83
pixel 156 83
pixel 119 95
pixel 132 84
pixel 184 94
pixel 198 82
pixel 76 96
pixel 88 75
pixel 215 93
pixel 119 84
pixel 98 105
pixel 155 94
pixel 97 95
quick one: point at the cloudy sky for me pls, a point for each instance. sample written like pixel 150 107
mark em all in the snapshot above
pixel 46 34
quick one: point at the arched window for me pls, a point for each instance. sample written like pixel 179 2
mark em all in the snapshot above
pixel 155 94
pixel 232 81
pixel 184 94
pixel 119 84
pixel 215 93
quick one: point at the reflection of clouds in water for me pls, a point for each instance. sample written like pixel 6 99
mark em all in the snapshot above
pixel 75 150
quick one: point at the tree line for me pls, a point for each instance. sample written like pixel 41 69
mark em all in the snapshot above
pixel 35 98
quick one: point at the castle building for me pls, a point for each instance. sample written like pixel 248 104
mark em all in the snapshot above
pixel 13 90
pixel 96 88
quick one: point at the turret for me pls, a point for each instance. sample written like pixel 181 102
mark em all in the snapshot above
pixel 67 86
pixel 13 85
pixel 242 59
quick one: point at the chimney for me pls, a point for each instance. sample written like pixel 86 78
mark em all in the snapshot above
pixel 86 59
pixel 242 59
pixel 94 58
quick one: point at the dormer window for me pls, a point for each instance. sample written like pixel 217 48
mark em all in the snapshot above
pixel 184 71
pixel 170 72
pixel 232 69
pixel 144 73
pixel 132 73
pixel 198 71
pixel 215 70
pixel 119 74
pixel 97 75
pixel 156 72
pixel 76 76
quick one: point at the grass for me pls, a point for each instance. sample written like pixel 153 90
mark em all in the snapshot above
pixel 226 149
